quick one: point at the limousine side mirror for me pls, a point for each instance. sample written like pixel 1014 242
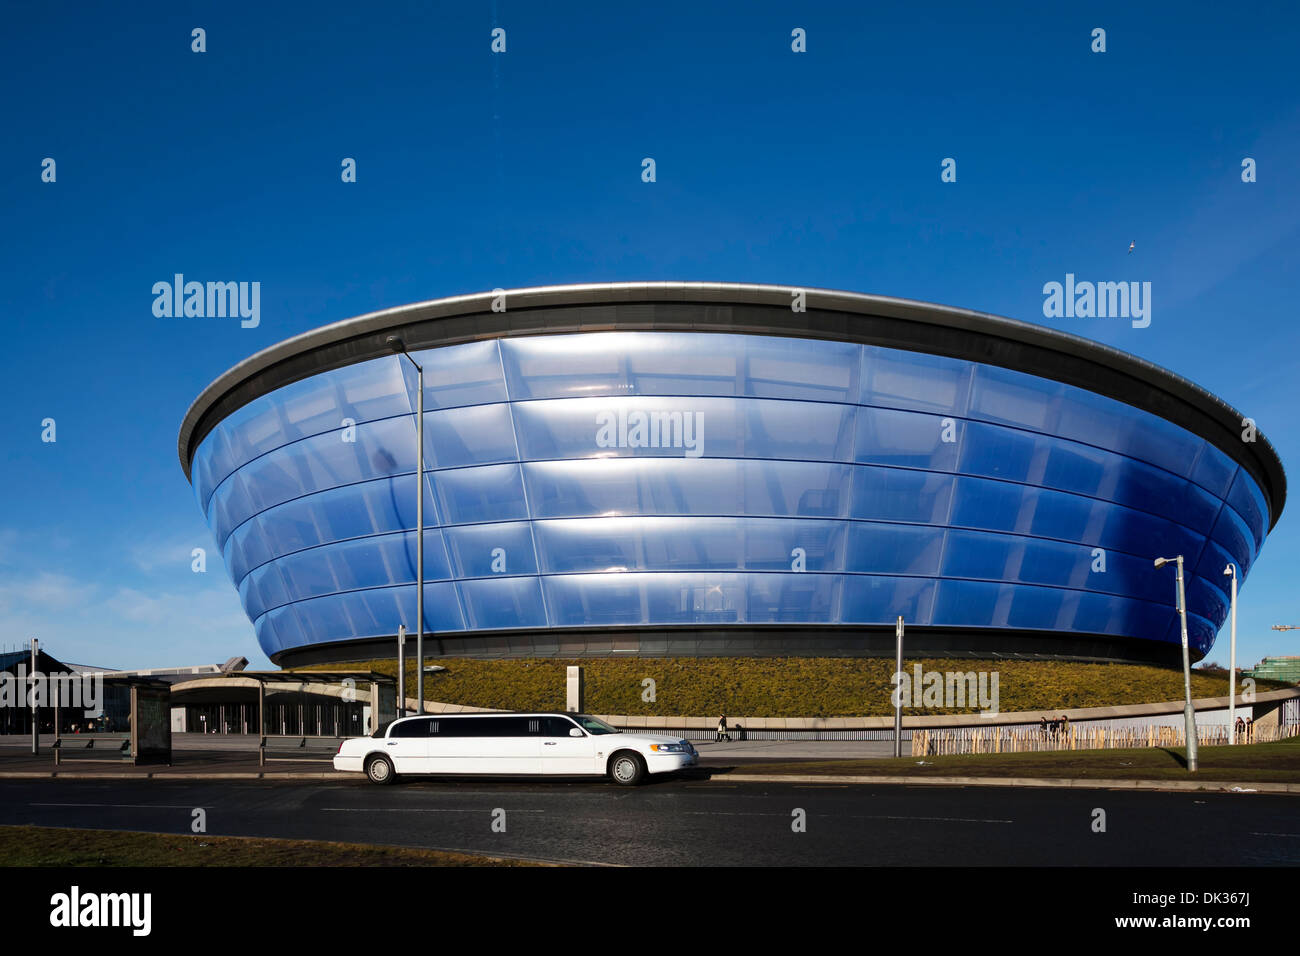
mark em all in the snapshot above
pixel 575 732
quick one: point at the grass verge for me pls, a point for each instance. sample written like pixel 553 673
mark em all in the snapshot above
pixel 787 686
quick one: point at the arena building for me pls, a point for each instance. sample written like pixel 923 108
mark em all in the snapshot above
pixel 698 469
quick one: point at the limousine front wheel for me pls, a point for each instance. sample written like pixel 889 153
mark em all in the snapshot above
pixel 379 770
pixel 626 768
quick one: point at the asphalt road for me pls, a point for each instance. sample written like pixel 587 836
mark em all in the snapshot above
pixel 693 822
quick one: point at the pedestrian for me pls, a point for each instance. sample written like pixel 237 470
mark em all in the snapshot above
pixel 740 731
pixel 1042 725
pixel 722 729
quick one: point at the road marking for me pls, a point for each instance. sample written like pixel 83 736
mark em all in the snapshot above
pixel 843 816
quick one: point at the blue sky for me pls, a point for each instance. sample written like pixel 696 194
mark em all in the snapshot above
pixel 478 170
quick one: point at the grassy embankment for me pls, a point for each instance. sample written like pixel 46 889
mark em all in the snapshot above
pixel 787 687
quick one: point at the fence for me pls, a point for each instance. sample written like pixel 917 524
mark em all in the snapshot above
pixel 710 733
pixel 1010 740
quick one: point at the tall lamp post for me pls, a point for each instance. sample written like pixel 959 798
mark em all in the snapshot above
pixel 1189 716
pixel 1231 571
pixel 397 345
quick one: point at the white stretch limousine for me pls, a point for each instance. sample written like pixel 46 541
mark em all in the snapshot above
pixel 508 744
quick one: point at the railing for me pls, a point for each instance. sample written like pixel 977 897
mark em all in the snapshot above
pixel 1006 740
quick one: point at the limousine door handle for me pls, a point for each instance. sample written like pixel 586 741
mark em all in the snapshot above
pixel 549 743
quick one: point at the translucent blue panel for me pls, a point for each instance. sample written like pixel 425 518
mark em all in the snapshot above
pixel 875 599
pixel 680 363
pixel 666 598
pixel 261 590
pixel 684 427
pixel 1248 501
pixel 924 383
pixel 362 392
pixel 789 598
pixel 995 451
pixel 279 629
pixel 479 435
pixel 1000 557
pixel 503 603
pixel 686 486
pixel 468 374
pixel 1097 420
pixel 893 548
pixel 1205 601
pixel 372 507
pixel 488 550
pixel 1001 506
pixel 688 544
pixel 377 613
pixel 812 490
pixel 486 493
pixel 910 439
pixel 1016 398
pixel 988 604
pixel 1231 533
pixel 594 599
pixel 1200 632
pixel 1214 559
pixel 362 563
pixel 381 448
pixel 899 495
pixel 1214 470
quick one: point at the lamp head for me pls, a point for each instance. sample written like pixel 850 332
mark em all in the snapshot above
pixel 1161 562
pixel 395 343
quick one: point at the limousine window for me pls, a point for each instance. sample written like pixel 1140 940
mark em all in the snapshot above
pixel 413 728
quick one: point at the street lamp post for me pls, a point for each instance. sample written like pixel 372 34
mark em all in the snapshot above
pixel 397 345
pixel 1189 716
pixel 1231 571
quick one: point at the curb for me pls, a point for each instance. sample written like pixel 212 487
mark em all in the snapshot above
pixel 1227 786
pixel 151 775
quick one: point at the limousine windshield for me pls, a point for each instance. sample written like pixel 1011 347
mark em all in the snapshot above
pixel 593 726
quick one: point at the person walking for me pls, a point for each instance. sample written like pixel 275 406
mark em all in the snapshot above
pixel 722 729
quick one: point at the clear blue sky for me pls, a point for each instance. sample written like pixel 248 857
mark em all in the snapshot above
pixel 478 170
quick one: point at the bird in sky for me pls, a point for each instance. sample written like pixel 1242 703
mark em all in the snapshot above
pixel 1131 245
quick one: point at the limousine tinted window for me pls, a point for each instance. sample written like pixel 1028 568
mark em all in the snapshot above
pixel 412 728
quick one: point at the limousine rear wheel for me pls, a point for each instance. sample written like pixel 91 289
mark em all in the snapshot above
pixel 626 768
pixel 379 770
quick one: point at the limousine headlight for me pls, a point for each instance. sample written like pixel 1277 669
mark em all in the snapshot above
pixel 668 748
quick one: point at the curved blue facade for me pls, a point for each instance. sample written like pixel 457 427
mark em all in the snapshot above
pixel 632 480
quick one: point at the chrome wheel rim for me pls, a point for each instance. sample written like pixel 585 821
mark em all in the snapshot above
pixel 378 770
pixel 624 768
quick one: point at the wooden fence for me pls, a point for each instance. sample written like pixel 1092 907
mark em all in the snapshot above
pixel 1010 740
